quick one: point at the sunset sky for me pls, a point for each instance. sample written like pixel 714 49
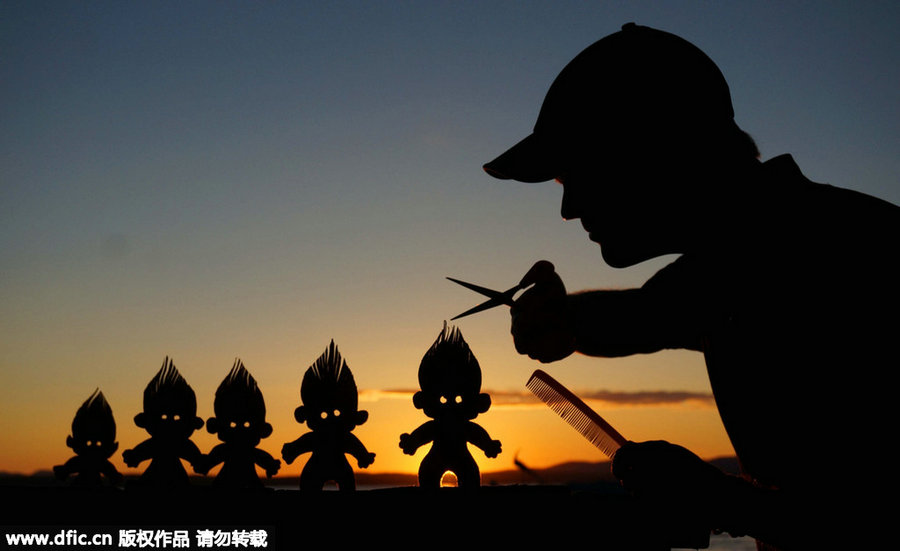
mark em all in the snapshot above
pixel 219 180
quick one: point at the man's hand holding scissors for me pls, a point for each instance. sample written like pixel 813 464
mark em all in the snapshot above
pixel 542 325
pixel 541 319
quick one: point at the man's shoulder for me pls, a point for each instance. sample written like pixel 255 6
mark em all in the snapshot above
pixel 785 175
pixel 805 230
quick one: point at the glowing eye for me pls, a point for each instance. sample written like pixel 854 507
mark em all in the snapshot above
pixel 97 443
pixel 324 415
pixel 232 424
pixel 89 443
pixel 246 424
pixel 163 416
pixel 337 413
pixel 458 399
pixel 443 399
pixel 176 417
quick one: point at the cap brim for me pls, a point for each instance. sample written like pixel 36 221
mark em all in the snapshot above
pixel 528 161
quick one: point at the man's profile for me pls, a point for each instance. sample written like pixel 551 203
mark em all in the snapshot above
pixel 788 287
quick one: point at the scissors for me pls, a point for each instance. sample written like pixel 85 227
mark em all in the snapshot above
pixel 496 297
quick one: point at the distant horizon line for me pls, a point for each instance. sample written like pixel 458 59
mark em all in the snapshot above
pixel 133 474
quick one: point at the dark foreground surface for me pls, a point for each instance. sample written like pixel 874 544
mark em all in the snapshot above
pixel 406 517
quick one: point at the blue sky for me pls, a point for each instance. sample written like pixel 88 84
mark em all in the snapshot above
pixel 208 180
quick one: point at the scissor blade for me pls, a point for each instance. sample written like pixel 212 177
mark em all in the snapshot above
pixel 486 305
pixel 482 290
pixel 496 297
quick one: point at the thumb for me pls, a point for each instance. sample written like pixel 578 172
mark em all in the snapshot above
pixel 541 272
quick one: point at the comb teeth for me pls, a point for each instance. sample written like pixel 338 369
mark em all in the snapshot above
pixel 576 412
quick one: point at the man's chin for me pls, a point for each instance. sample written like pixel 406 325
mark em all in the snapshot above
pixel 616 258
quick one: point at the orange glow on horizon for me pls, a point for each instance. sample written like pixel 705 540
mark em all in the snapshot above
pixel 527 430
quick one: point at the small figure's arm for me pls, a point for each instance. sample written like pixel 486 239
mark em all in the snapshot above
pixel 293 450
pixel 68 468
pixel 111 473
pixel 356 448
pixel 479 437
pixel 210 460
pixel 267 462
pixel 136 455
pixel 409 443
pixel 192 454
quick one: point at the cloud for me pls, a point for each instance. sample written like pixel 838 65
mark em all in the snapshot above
pixel 650 397
pixel 600 398
pixel 374 395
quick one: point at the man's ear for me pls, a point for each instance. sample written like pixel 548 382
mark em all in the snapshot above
pixel 115 447
pixel 141 420
pixel 70 442
pixel 361 417
pixel 265 431
pixel 198 423
pixel 212 425
pixel 484 402
pixel 300 414
pixel 419 400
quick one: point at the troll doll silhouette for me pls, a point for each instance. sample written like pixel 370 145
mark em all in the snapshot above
pixel 93 441
pixel 240 423
pixel 170 417
pixel 330 403
pixel 450 379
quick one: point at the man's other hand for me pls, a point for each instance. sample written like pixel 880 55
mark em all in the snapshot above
pixel 668 471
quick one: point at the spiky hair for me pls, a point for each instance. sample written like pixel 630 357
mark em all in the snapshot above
pixel 94 419
pixel 169 389
pixel 450 357
pixel 329 379
pixel 239 395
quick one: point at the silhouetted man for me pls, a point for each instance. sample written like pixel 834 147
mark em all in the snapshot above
pixel 788 287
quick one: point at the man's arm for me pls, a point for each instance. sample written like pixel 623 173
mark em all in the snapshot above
pixel 667 312
pixel 631 321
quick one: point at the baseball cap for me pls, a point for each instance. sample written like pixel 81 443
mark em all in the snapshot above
pixel 638 77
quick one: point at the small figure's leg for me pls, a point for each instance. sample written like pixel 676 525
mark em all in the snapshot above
pixel 430 472
pixel 344 477
pixel 310 478
pixel 467 473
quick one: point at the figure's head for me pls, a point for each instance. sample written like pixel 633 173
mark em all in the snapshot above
pixel 240 410
pixel 639 129
pixel 329 395
pixel 170 405
pixel 94 429
pixel 450 379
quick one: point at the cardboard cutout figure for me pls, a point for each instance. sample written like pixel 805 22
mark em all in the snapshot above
pixel 240 423
pixel 170 417
pixel 330 409
pixel 93 440
pixel 450 379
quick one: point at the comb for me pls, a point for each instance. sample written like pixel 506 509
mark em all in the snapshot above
pixel 576 412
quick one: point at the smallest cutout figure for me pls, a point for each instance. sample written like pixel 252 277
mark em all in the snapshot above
pixel 240 423
pixel 450 382
pixel 330 409
pixel 93 441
